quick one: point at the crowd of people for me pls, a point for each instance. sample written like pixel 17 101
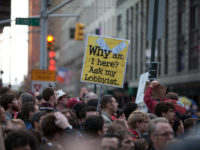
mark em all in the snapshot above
pixel 54 120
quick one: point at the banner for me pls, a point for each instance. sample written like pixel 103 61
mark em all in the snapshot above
pixel 105 60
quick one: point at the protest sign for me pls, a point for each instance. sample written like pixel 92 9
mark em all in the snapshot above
pixel 105 61
pixel 141 87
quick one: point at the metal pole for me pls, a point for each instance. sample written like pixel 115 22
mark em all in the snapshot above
pixel 153 43
pixel 99 98
pixel 43 35
pixel 64 15
pixel 5 21
pixel 58 7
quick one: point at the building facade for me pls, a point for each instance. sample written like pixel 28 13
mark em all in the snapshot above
pixel 178 51
pixel 97 16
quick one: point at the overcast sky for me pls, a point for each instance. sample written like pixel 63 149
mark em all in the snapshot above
pixel 14 46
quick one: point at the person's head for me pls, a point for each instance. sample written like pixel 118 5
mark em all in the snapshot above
pixel 109 104
pixel 121 122
pixel 120 114
pixel 35 119
pixel 53 124
pixel 90 96
pixel 110 142
pixel 27 97
pixel 165 109
pixel 160 132
pixel 92 102
pixel 39 100
pixel 140 144
pixel 126 139
pixel 20 140
pixel 72 102
pixel 178 127
pixel 13 125
pixel 27 111
pixel 77 108
pixel 9 101
pixel 128 108
pixel 138 120
pixel 189 125
pixel 88 111
pixel 2 115
pixel 4 90
pixel 71 116
pixel 172 95
pixel 83 92
pixel 62 98
pixel 49 94
pixel 114 127
pixel 93 126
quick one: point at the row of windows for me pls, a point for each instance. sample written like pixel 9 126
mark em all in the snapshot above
pixel 135 32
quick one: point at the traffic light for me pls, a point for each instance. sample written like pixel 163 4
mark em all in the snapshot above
pixel 50 43
pixel 52 61
pixel 51 52
pixel 79 31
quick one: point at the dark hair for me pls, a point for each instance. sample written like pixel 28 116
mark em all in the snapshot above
pixel 163 107
pixel 105 100
pixel 93 124
pixel 110 135
pixel 176 124
pixel 129 108
pixel 48 126
pixel 77 108
pixel 26 108
pixel 47 93
pixel 39 97
pixel 4 90
pixel 6 99
pixel 85 110
pixel 140 144
pixel 73 120
pixel 20 138
pixel 119 112
pixel 92 102
pixel 189 123
pixel 27 97
pixel 36 116
pixel 172 95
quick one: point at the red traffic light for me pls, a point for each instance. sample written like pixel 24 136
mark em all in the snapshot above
pixel 50 38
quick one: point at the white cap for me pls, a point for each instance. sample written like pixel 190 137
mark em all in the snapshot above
pixel 60 93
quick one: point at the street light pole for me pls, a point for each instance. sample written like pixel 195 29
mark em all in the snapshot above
pixel 43 35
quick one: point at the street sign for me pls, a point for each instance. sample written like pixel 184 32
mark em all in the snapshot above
pixel 42 79
pixel 28 21
pixel 43 75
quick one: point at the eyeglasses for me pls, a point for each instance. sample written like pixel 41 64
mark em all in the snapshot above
pixel 165 134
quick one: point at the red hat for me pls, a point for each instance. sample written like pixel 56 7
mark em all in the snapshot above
pixel 72 102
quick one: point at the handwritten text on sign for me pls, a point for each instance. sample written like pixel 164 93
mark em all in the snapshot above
pixel 105 61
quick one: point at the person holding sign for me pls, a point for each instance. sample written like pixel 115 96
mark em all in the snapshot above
pixel 109 107
pixel 151 103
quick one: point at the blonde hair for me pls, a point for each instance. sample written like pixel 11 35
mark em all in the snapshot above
pixel 137 116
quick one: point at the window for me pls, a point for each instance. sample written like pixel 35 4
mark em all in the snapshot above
pixel 166 39
pixel 119 23
pixel 194 32
pixel 181 36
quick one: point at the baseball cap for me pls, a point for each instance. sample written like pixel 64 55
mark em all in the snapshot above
pixel 60 93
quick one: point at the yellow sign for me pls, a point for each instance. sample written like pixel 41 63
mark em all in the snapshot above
pixel 43 75
pixel 105 60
